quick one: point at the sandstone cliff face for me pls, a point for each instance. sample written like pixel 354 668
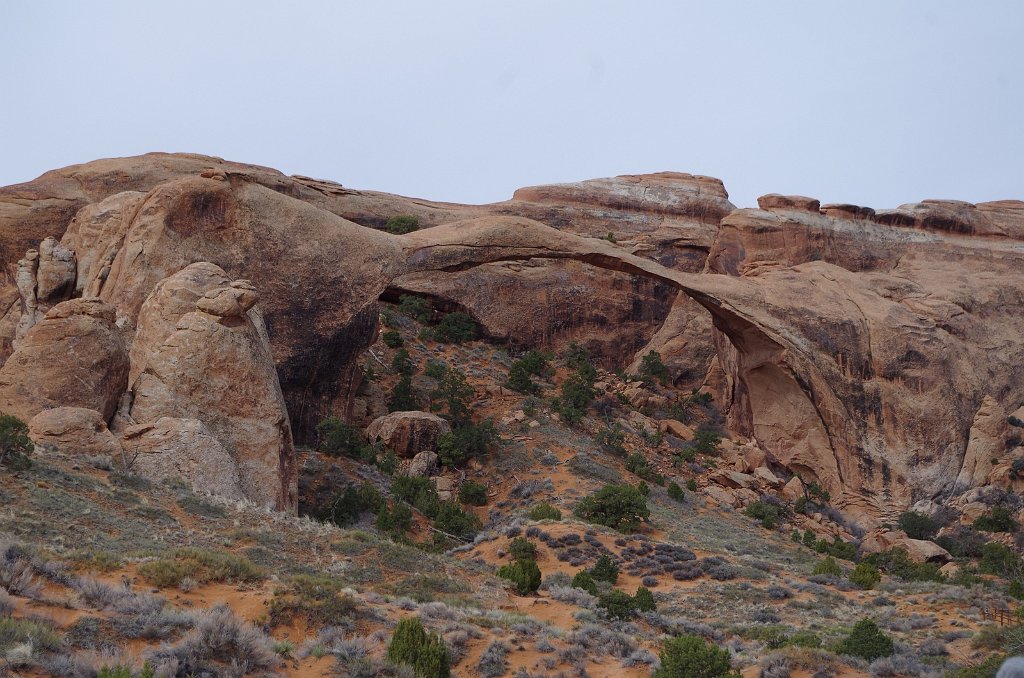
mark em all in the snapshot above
pixel 854 346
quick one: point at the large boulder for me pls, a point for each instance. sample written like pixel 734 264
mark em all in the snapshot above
pixel 73 357
pixel 74 431
pixel 408 433
pixel 218 369
pixel 183 448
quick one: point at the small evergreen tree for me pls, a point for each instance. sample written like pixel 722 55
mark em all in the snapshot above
pixel 15 445
pixel 867 641
pixel 426 653
pixel 644 600
pixel 522 549
pixel 675 492
pixel 865 576
pixel 691 657
pixel 620 507
pixel 584 581
pixel 524 575
pixel 652 369
pixel 403 398
pixel 473 493
pixel 545 511
pixel 401 225
pixel 605 569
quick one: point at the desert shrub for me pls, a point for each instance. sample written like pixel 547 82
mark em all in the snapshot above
pixel 455 394
pixel 637 464
pixel 828 566
pixel 348 505
pixel 456 328
pixel 692 657
pixel 866 641
pixel 417 308
pixel 524 575
pixel 816 491
pixel 804 638
pixel 691 485
pixel 402 363
pixel 392 339
pixel 402 224
pixel 522 549
pixel 998 519
pixel 403 397
pixel 494 661
pixel 896 562
pixel 576 395
pixel 616 604
pixel 545 511
pixel 519 379
pixel 396 521
pixel 200 565
pixel 473 493
pixel 675 492
pixel 15 445
pixel 998 559
pixel 465 442
pixel 452 519
pixel 436 369
pixel 918 525
pixel 644 600
pixel 584 581
pixel 534 363
pixel 842 549
pixel 620 507
pixel 962 541
pixel 337 438
pixel 605 569
pixel 768 513
pixel 612 438
pixel 411 645
pixel 653 369
pixel 865 576
pixel 419 492
pixel 316 598
pixel 706 441
pixel 219 641
pixel 38 634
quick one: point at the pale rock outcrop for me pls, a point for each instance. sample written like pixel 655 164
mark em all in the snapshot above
pixel 922 551
pixel 986 443
pixel 764 475
pixel 55 278
pixel 722 496
pixel 74 431
pixel 171 447
pixel 423 465
pixel 73 357
pixel 218 369
pixel 732 479
pixel 676 428
pixel 793 490
pixel 408 433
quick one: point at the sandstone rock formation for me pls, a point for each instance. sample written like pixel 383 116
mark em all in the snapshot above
pixel 215 366
pixel 855 346
pixel 73 357
pixel 408 433
pixel 74 431
pixel 183 448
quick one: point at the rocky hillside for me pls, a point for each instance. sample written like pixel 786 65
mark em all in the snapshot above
pixel 212 329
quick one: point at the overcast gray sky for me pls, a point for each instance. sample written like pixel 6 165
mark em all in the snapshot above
pixel 873 102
